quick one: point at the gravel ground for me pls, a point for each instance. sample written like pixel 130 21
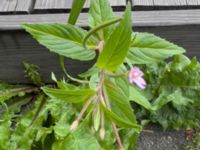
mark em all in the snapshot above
pixel 161 140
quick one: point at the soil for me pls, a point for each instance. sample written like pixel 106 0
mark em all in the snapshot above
pixel 154 138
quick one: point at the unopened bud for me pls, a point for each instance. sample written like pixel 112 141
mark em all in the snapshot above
pixel 74 125
pixel 102 133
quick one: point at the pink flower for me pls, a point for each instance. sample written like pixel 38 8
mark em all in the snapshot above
pixel 136 76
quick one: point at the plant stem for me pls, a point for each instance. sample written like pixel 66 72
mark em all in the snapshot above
pixel 62 65
pixel 113 124
pixel 42 103
pixel 76 122
pixel 27 89
pixel 117 75
pixel 117 136
pixel 100 86
pixel 84 108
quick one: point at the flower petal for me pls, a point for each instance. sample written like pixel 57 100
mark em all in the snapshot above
pixel 136 69
pixel 140 82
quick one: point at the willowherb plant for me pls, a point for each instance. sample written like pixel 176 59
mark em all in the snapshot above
pixel 104 91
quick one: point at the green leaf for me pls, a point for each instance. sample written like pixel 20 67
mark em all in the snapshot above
pixel 116 47
pixel 118 120
pixel 101 11
pixel 122 82
pixel 71 96
pixel 89 72
pixel 121 112
pixel 136 96
pixel 77 6
pixel 100 27
pixel 5 131
pixel 63 39
pixel 82 138
pixel 147 48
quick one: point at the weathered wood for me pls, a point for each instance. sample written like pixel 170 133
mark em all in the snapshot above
pixel 53 4
pixel 15 5
pixel 18 46
pixel 140 18
pixel 193 2
pixel 6 5
pixel 142 2
pixel 66 4
pixel 169 2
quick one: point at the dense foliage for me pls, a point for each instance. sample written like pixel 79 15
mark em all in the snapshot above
pixel 173 91
pixel 94 111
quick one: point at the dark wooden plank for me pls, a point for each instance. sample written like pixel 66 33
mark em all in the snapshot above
pixel 140 18
pixel 18 46
pixel 15 5
pixel 66 4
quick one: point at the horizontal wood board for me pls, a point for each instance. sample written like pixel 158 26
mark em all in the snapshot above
pixel 66 4
pixel 140 18
pixel 15 5
pixel 18 46
pixel 30 6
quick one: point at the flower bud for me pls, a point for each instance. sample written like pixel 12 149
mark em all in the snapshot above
pixel 102 133
pixel 74 125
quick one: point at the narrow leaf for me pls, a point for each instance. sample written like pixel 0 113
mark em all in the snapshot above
pixel 137 97
pixel 76 8
pixel 121 110
pixel 118 120
pixel 116 48
pixel 101 11
pixel 71 96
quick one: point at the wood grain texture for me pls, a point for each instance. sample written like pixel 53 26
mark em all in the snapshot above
pixel 193 2
pixel 15 5
pixel 18 46
pixel 170 2
pixel 53 4
pixel 142 2
pixel 140 18
pixel 66 4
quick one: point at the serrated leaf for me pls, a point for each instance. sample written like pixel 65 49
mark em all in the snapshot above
pixel 116 47
pixel 63 39
pixel 118 101
pixel 147 48
pixel 118 120
pixel 122 82
pixel 71 96
pixel 136 96
pixel 82 138
pixel 101 11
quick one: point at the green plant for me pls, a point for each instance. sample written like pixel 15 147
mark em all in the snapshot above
pixel 173 91
pixel 101 94
pixel 92 111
